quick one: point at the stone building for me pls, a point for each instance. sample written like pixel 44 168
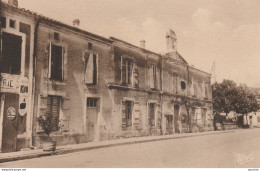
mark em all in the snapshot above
pixel 96 88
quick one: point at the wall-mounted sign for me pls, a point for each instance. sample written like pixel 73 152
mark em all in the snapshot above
pixel 11 113
pixel 24 86
pixel 23 103
pixel 9 83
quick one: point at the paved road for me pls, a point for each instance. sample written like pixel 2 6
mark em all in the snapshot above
pixel 235 149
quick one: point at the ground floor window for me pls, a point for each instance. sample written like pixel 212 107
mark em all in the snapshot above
pixel 53 108
pixel 258 118
pixel 169 121
pixel 128 113
pixel 151 114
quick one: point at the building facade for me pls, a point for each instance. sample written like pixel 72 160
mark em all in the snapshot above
pixel 95 88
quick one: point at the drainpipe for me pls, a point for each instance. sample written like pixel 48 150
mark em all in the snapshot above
pixel 34 73
pixel 0 38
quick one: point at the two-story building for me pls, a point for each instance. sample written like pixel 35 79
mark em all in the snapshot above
pixel 95 88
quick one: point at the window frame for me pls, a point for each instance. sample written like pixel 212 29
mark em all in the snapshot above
pixel 62 61
pixel 129 117
pixel 129 65
pixel 151 116
pixel 50 108
pixel 96 71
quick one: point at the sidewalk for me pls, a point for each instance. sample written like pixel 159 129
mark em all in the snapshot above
pixel 21 155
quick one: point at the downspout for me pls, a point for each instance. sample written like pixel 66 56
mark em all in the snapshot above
pixel 188 95
pixel 34 73
pixel 161 92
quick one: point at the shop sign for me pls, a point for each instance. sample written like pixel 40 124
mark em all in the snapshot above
pixel 9 83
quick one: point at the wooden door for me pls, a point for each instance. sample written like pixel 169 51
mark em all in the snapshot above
pixel 92 115
pixel 11 103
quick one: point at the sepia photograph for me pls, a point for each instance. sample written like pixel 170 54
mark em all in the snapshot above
pixel 129 84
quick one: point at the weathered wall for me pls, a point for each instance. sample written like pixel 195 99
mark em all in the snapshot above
pixel 72 89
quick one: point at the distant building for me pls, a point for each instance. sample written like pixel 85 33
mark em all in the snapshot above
pixel 97 88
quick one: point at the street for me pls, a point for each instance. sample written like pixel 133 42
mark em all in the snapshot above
pixel 240 148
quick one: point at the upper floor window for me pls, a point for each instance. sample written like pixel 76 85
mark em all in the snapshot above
pixel 56 64
pixel 11 54
pixel 175 82
pixel 154 77
pixel 90 75
pixel 126 71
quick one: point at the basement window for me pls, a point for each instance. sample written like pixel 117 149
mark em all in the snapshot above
pixel 12 23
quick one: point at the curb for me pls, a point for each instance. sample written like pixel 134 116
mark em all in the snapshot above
pixel 66 151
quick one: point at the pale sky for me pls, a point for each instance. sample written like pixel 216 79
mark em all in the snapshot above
pixel 224 31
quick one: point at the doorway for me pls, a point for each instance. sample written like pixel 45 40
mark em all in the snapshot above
pixel 92 115
pixel 9 133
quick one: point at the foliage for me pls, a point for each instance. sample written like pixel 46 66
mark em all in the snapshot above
pixel 48 123
pixel 227 97
pixel 224 96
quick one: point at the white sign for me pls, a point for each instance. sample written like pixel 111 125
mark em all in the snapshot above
pixel 9 83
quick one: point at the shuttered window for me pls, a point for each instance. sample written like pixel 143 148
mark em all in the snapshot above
pixel 154 77
pixel 53 107
pixel 90 76
pixel 128 113
pixel 151 114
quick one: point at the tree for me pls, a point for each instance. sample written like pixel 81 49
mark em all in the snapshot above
pixel 246 101
pixel 224 96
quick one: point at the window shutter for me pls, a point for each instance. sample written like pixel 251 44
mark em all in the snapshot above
pixel 123 114
pixel 49 62
pixel 136 113
pixel 64 116
pixel 203 90
pixel 135 75
pixel 158 78
pixel 53 105
pixel 151 77
pixel 123 70
pixel 42 108
pixel 89 69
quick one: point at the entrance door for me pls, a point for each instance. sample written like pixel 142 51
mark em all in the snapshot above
pixel 92 114
pixel 11 103
pixel 176 118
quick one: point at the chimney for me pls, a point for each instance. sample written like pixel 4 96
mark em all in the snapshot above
pixel 13 2
pixel 76 22
pixel 142 44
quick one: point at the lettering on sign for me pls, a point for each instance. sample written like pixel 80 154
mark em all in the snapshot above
pixel 9 83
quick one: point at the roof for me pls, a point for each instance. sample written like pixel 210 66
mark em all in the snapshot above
pixel 51 20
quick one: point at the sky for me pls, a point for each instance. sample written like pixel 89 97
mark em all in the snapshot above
pixel 226 32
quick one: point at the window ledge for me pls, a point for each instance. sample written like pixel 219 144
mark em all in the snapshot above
pixel 49 81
